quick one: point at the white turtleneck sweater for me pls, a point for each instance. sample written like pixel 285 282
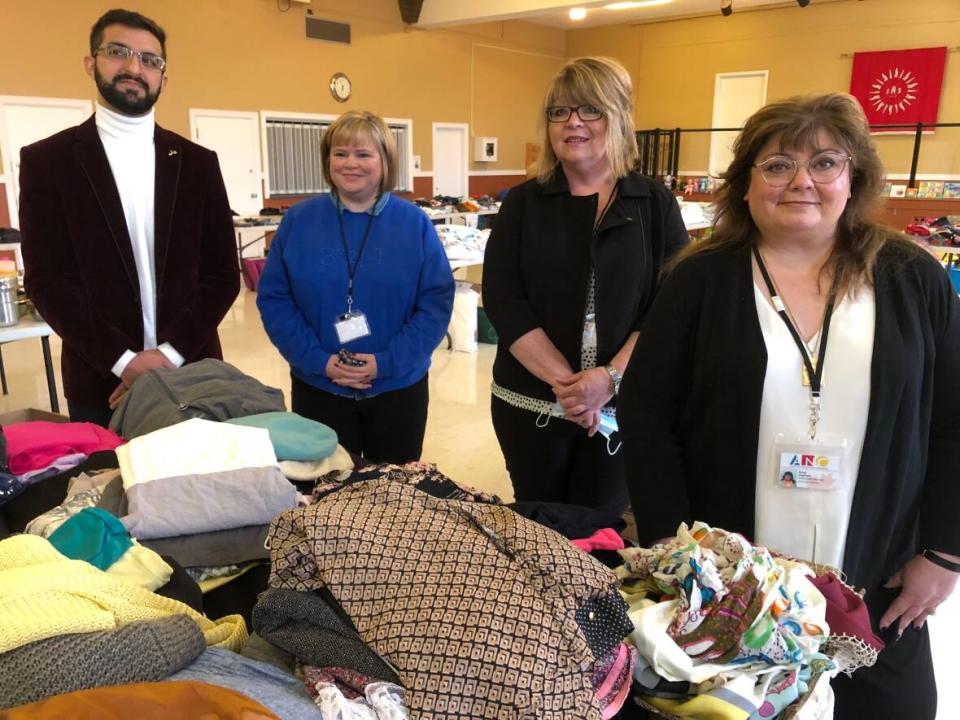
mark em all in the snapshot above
pixel 128 143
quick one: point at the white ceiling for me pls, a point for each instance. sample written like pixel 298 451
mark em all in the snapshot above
pixel 448 13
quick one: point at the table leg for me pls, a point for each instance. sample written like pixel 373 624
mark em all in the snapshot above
pixel 51 378
pixel 3 375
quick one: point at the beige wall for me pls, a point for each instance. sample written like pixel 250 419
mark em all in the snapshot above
pixel 247 55
pixel 674 64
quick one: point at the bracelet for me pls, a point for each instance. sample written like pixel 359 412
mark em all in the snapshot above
pixel 942 562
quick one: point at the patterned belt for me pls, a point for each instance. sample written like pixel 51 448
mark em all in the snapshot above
pixel 541 407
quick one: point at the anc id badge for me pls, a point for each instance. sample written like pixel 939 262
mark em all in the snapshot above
pixel 808 464
pixel 351 326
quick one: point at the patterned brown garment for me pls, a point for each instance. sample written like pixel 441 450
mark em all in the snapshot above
pixel 474 605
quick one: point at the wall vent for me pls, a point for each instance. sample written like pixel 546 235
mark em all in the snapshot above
pixel 328 30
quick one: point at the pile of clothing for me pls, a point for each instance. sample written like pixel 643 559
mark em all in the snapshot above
pixel 726 629
pixel 31 452
pixel 473 609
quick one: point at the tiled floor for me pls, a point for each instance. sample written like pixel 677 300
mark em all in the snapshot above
pixel 459 437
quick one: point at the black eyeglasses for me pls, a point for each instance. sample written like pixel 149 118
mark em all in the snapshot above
pixel 562 113
pixel 823 168
pixel 149 60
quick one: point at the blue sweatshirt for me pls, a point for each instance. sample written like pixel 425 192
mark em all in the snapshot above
pixel 403 284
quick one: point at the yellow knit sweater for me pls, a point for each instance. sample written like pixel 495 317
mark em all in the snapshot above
pixel 44 594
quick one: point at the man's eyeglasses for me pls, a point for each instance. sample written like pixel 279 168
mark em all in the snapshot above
pixel 562 113
pixel 149 60
pixel 780 170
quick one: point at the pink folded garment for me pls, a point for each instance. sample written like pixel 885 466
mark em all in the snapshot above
pixel 603 539
pixel 34 445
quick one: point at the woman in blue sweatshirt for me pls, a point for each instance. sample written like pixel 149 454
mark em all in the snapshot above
pixel 360 271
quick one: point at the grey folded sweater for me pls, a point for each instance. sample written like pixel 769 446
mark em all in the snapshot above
pixel 144 651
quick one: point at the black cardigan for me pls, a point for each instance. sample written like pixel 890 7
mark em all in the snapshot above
pixel 537 268
pixel 689 410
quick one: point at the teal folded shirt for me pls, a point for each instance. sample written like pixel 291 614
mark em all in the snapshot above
pixel 93 535
pixel 294 437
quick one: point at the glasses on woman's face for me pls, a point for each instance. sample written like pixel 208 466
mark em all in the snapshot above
pixel 825 167
pixel 122 53
pixel 562 113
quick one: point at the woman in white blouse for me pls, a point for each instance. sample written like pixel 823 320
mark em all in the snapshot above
pixel 797 381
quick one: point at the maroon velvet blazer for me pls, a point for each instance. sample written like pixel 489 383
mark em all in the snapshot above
pixel 80 271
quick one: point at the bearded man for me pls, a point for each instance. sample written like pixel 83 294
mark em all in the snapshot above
pixel 128 242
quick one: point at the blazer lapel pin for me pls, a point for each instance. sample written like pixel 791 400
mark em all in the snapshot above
pixel 171 153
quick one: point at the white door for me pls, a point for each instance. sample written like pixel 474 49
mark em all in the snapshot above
pixel 235 137
pixel 450 159
pixel 736 96
pixel 24 120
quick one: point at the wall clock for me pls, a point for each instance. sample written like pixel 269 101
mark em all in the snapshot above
pixel 340 87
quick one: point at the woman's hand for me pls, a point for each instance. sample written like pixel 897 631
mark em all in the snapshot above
pixel 582 394
pixel 923 586
pixel 358 378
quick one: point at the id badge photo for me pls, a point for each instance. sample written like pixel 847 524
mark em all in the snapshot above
pixel 351 326
pixel 802 463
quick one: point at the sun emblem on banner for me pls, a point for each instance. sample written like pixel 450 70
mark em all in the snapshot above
pixel 894 91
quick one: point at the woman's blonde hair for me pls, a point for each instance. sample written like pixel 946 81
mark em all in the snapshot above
pixel 605 84
pixel 361 125
pixel 795 123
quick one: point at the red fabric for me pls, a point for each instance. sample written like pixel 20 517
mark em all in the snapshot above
pixel 899 86
pixel 35 445
pixel 603 539
pixel 846 612
pixel 252 268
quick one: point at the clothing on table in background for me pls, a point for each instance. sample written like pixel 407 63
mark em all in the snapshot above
pixel 142 651
pixel 92 535
pixel 98 479
pixel 612 678
pixel 48 523
pixel 852 639
pixel 571 521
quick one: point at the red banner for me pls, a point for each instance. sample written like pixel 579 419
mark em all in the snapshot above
pixel 899 86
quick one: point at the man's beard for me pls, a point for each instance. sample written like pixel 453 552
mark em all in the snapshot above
pixel 127 101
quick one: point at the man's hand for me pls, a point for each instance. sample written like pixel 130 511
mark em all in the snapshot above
pixel 117 395
pixel 143 361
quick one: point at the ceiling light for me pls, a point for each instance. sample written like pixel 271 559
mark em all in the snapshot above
pixel 637 4
pixel 578 13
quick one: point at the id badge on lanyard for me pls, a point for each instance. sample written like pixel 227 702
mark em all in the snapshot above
pixel 802 463
pixel 352 325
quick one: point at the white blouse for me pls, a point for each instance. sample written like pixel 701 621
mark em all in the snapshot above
pixel 800 522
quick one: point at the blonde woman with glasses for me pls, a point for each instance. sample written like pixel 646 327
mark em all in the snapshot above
pixel 796 381
pixel 570 270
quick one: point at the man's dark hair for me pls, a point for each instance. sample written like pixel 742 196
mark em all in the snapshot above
pixel 130 19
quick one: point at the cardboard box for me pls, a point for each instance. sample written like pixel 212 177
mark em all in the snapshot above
pixel 31 415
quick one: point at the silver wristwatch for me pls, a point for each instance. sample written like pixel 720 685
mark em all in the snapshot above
pixel 615 377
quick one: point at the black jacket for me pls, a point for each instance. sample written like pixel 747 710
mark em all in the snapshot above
pixel 689 410
pixel 538 260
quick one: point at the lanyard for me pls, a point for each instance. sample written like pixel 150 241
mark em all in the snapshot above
pixel 352 268
pixel 814 371
pixel 603 213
